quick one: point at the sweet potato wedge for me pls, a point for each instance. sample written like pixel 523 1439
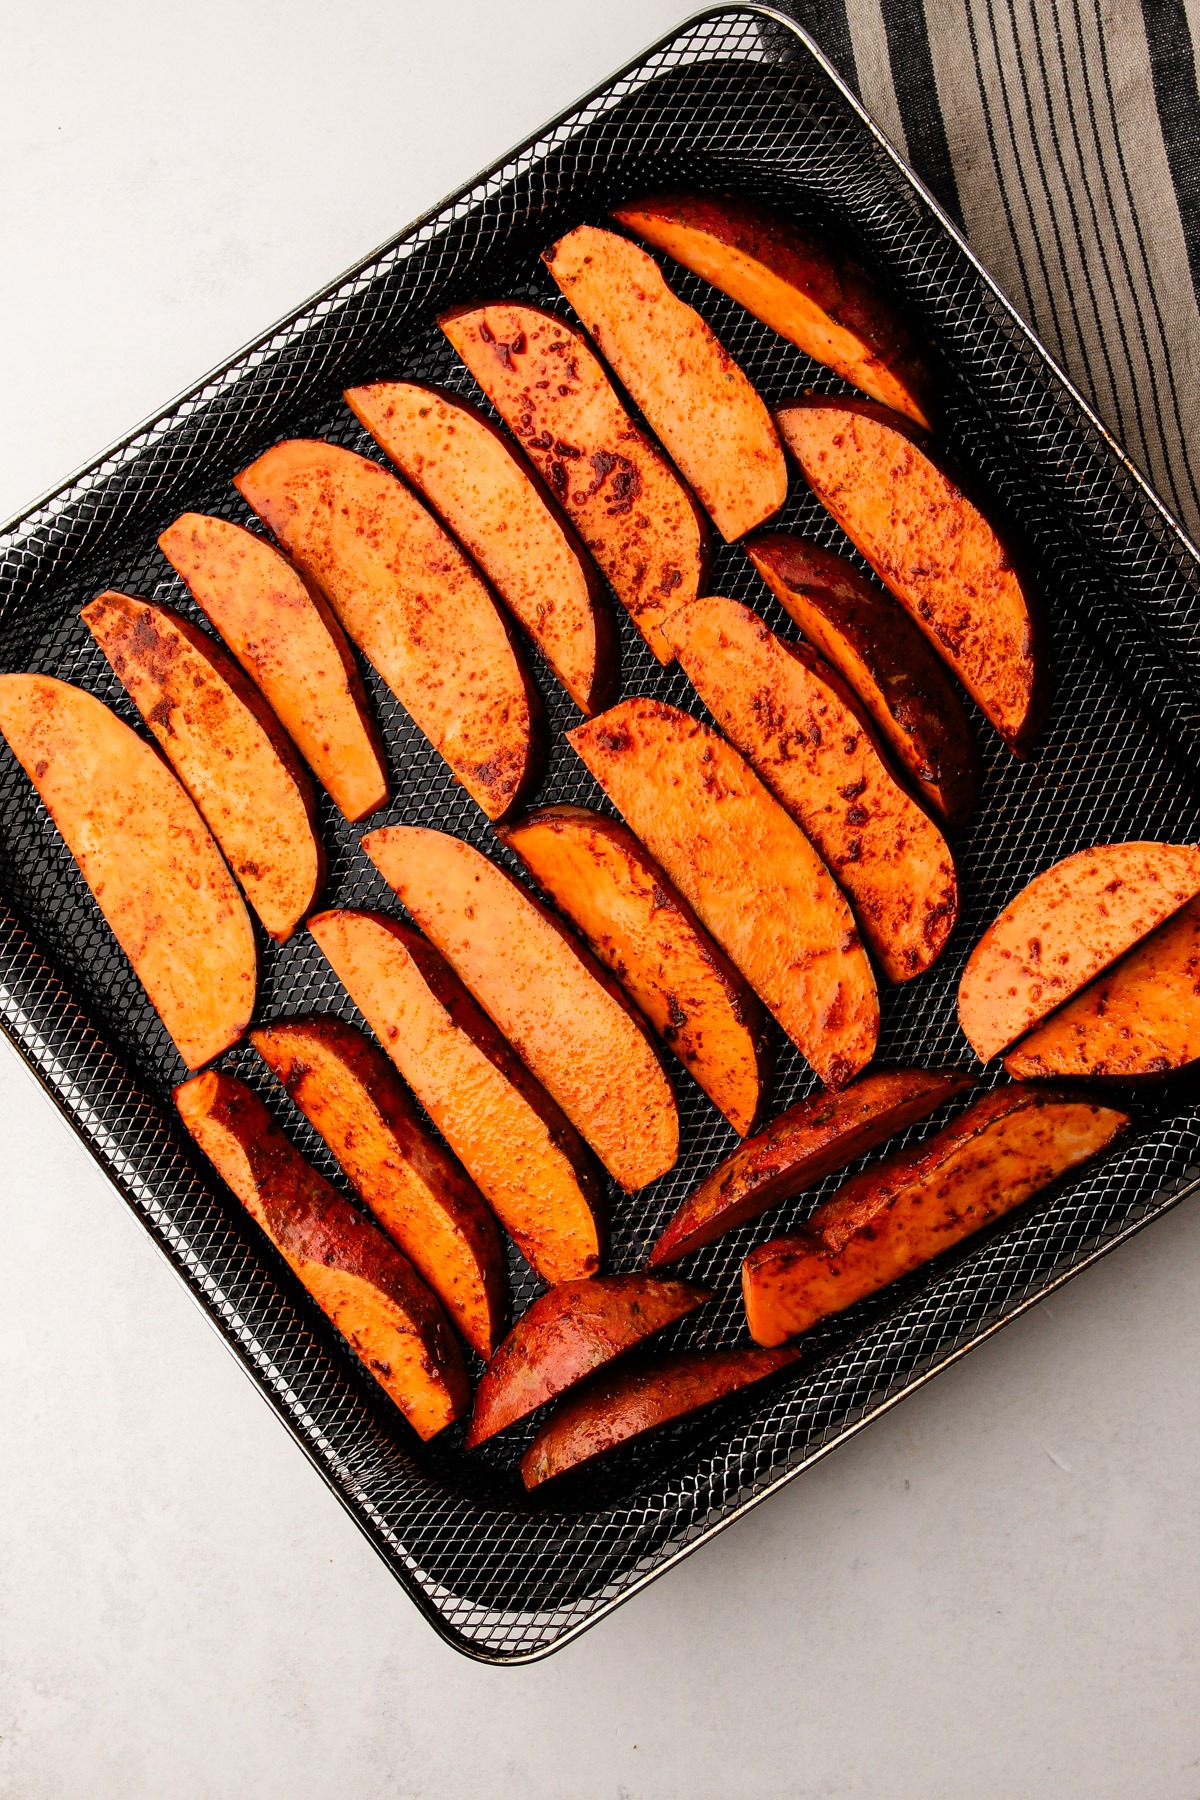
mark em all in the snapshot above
pixel 226 746
pixel 810 1140
pixel 711 422
pixel 287 639
pixel 621 494
pixel 524 1156
pixel 567 1021
pixel 747 869
pixel 802 286
pixel 1140 1020
pixel 496 507
pixel 146 854
pixel 909 1208
pixel 1068 925
pixel 425 1201
pixel 596 872
pixel 878 651
pixel 410 600
pixel 566 1335
pixel 634 1399
pixel 930 545
pixel 800 728
pixel 361 1282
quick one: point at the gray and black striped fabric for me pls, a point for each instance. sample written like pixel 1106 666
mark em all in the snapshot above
pixel 1063 137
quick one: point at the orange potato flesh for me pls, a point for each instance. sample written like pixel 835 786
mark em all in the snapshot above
pixel 930 545
pixel 799 727
pixel 373 1296
pixel 596 872
pixel 147 856
pixel 568 1333
pixel 495 506
pixel 878 651
pixel 1141 1019
pixel 908 1209
pixel 424 1200
pixel 567 1022
pixel 1068 925
pixel 809 1141
pixel 227 748
pixel 805 289
pixel 522 1153
pixel 749 872
pixel 621 494
pixel 410 600
pixel 711 422
pixel 289 642
pixel 630 1401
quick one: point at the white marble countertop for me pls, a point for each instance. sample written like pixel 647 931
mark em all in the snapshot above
pixel 992 1592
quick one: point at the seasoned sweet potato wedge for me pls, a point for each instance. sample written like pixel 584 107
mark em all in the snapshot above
pixel 747 869
pixel 1140 1020
pixel 146 854
pixel 372 1294
pixel 798 725
pixel 289 642
pixel 930 545
pixel 711 422
pixel 566 1020
pixel 596 872
pixel 1068 925
pixel 634 1399
pixel 498 510
pixel 621 494
pixel 522 1153
pixel 876 648
pixel 228 749
pixel 410 600
pixel 810 1140
pixel 423 1198
pixel 909 1208
pixel 803 287
pixel 568 1333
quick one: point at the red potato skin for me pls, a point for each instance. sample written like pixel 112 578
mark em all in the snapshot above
pixel 628 1402
pixel 565 1335
pixel 812 1139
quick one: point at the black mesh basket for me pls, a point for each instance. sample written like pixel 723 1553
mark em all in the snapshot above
pixel 737 101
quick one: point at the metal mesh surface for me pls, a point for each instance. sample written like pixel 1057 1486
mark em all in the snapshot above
pixel 737 101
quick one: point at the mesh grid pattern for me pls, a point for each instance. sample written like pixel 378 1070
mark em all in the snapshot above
pixel 737 102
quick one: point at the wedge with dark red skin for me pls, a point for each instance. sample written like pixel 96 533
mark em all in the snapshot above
pixel 596 872
pixel 628 505
pixel 931 546
pixel 747 869
pixel 286 638
pixel 524 1156
pixel 568 1022
pixel 804 287
pixel 812 1139
pixel 417 609
pixel 425 1201
pixel 1064 928
pixel 497 508
pixel 226 746
pixel 709 419
pixel 894 1217
pixel 147 856
pixel 627 1403
pixel 800 728
pixel 370 1292
pixel 873 644
pixel 569 1333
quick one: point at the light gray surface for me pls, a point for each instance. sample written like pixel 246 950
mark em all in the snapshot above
pixel 993 1592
